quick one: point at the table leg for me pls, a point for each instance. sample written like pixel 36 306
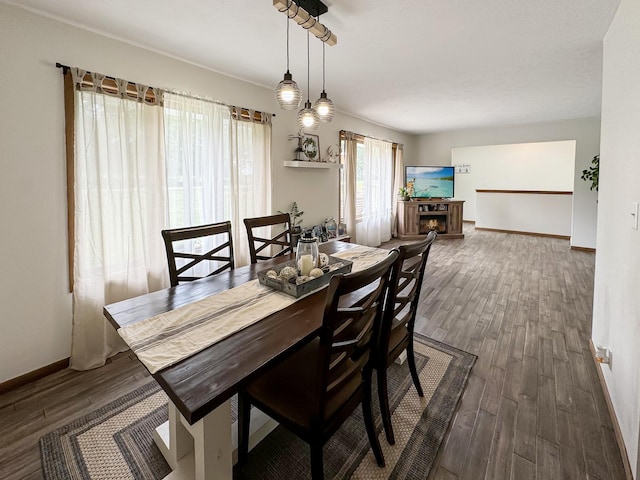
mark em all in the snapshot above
pixel 201 451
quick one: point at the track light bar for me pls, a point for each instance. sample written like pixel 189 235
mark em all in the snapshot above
pixel 306 20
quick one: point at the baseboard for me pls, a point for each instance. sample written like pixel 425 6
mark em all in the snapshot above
pixel 583 249
pixel 34 375
pixel 551 235
pixel 612 414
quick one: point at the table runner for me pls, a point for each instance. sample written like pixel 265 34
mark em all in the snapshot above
pixel 165 339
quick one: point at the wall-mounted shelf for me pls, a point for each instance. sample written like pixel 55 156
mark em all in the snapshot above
pixel 304 164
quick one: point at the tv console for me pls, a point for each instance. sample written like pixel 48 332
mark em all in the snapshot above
pixel 416 218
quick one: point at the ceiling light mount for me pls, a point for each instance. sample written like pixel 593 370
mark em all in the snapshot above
pixel 305 19
pixel 314 7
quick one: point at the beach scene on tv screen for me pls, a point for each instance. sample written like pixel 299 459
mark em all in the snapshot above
pixel 431 182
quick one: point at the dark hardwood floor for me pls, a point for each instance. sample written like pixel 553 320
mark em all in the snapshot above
pixel 533 408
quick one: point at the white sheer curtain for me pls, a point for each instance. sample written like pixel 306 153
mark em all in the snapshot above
pixel 197 140
pixel 120 209
pixel 377 172
pixel 251 179
pixel 140 168
pixel 218 168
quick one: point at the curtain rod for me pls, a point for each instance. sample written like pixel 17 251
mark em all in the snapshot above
pixel 373 138
pixel 209 100
pixel 65 69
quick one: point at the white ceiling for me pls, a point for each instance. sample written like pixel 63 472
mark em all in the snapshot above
pixel 413 65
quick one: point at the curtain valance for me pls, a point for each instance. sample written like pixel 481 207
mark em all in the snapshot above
pixel 85 80
pixel 116 87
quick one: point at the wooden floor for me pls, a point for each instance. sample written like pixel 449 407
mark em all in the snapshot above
pixel 533 408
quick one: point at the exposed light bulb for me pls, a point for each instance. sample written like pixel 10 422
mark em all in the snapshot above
pixel 288 95
pixel 324 107
pixel 308 118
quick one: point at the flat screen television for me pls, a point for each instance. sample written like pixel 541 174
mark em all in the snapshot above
pixel 430 182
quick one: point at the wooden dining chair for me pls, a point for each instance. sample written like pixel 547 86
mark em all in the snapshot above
pixel 280 239
pixel 314 390
pixel 396 334
pixel 202 237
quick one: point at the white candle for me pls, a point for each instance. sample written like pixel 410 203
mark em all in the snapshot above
pixel 306 264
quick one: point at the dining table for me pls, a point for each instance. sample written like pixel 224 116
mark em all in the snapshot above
pixel 198 440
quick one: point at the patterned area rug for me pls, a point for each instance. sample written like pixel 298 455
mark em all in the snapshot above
pixel 115 441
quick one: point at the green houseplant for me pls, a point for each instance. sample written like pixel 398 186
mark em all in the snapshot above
pixel 295 217
pixel 591 174
pixel 404 193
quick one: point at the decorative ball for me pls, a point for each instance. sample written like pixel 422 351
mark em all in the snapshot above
pixel 302 279
pixel 288 273
pixel 316 272
pixel 335 266
pixel 323 260
pixel 272 274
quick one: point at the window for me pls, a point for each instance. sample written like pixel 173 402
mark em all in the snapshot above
pixel 373 180
pixel 140 160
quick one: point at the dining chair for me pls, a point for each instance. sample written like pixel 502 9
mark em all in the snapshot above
pixel 314 390
pixel 396 334
pixel 188 243
pixel 281 239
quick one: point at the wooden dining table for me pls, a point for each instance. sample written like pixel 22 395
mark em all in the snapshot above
pixel 198 441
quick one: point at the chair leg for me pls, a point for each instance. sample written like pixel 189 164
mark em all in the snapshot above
pixel 412 367
pixel 244 418
pixel 317 468
pixel 368 422
pixel 383 398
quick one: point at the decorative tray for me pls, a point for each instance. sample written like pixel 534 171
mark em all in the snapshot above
pixel 290 287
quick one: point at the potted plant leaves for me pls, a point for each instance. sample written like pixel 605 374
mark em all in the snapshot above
pixel 592 173
pixel 295 219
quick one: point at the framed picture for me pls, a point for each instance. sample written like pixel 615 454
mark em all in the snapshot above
pixel 311 147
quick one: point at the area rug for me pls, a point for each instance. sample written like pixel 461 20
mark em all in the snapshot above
pixel 115 442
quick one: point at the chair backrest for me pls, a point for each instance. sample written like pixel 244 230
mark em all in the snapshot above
pixel 405 287
pixel 281 238
pixel 205 251
pixel 348 333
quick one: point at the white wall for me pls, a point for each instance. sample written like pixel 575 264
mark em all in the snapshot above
pixel 616 318
pixel 435 149
pixel 35 307
pixel 523 166
pixel 544 214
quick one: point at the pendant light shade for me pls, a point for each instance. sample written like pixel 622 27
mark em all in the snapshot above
pixel 288 95
pixel 308 117
pixel 324 106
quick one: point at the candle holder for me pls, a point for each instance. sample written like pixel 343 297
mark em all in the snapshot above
pixel 306 253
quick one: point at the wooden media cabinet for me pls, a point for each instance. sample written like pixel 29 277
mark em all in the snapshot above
pixel 416 218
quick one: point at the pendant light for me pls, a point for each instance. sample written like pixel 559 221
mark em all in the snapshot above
pixel 288 95
pixel 324 106
pixel 308 117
